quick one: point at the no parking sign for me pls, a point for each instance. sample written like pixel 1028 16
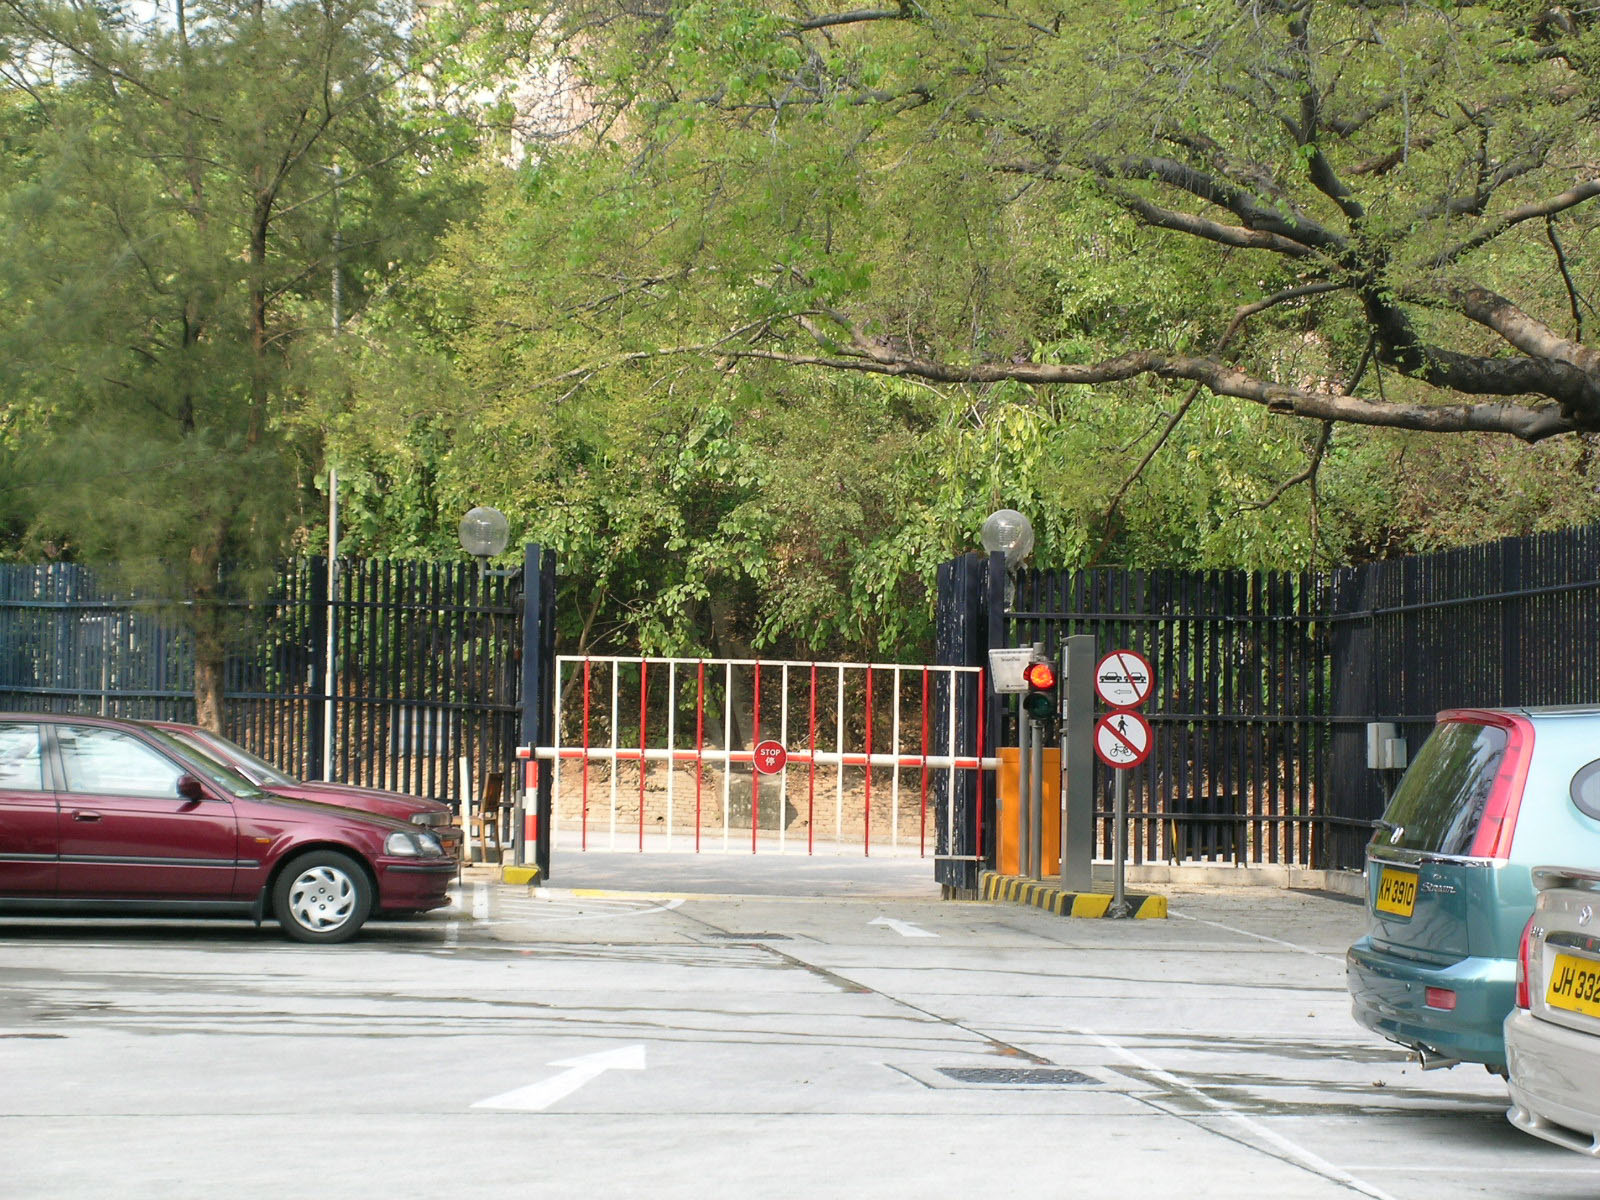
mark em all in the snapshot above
pixel 1124 679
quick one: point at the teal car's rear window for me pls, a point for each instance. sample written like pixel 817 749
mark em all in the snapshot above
pixel 1437 807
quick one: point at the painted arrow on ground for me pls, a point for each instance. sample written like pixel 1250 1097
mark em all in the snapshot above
pixel 579 1071
pixel 903 928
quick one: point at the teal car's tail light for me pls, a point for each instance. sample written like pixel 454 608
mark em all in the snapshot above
pixel 1499 822
pixel 1441 998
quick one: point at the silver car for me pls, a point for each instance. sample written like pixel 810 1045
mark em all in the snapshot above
pixel 1553 1033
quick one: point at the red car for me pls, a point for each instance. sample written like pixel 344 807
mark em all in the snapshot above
pixel 430 814
pixel 115 817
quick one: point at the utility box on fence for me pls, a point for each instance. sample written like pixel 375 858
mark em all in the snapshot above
pixel 1009 812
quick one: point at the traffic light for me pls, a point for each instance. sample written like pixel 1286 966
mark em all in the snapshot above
pixel 1040 702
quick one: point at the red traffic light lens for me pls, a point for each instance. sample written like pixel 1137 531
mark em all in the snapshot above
pixel 1040 676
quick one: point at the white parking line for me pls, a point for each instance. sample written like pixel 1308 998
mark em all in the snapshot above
pixel 903 928
pixel 1476 1169
pixel 1295 1152
pixel 480 902
pixel 611 916
pixel 1260 937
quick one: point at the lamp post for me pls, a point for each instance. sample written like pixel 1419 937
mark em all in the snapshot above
pixel 1008 532
pixel 484 533
pixel 333 500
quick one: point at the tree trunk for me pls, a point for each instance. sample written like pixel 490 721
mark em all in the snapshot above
pixel 208 663
pixel 208 620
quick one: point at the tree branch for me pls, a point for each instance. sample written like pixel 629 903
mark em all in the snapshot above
pixel 1212 231
pixel 857 17
pixel 1570 198
pixel 1531 336
pixel 1254 211
pixel 1244 313
pixel 1566 277
pixel 1522 421
pixel 1308 475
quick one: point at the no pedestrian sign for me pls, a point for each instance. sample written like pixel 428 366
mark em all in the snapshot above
pixel 1122 739
pixel 1124 679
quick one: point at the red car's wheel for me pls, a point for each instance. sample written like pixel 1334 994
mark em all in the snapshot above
pixel 323 896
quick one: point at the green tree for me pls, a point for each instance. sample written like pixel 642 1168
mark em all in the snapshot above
pixel 167 245
pixel 783 301
pixel 1388 176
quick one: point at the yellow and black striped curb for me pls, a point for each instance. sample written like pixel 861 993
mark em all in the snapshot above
pixel 1019 890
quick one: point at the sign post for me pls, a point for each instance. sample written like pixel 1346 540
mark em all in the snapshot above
pixel 1122 738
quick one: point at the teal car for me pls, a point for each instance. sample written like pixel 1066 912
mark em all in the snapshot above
pixel 1489 796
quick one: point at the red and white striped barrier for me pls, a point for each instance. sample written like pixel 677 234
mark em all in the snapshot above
pixel 790 737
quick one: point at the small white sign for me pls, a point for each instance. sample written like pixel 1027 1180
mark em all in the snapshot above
pixel 1124 679
pixel 1006 667
pixel 1122 739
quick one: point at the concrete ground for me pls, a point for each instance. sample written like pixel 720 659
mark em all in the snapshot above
pixel 695 1036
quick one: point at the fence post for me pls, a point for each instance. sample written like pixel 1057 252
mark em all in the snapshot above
pixel 995 639
pixel 1514 687
pixel 538 696
pixel 959 640
pixel 320 616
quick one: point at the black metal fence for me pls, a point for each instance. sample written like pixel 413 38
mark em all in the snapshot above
pixel 1266 682
pixel 425 674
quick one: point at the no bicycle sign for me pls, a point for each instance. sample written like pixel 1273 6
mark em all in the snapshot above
pixel 1122 739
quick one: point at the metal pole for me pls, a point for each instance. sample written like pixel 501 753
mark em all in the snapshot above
pixel 1077 764
pixel 1024 786
pixel 333 512
pixel 1036 802
pixel 1119 901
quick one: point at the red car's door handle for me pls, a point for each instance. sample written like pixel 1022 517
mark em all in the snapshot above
pixel 85 815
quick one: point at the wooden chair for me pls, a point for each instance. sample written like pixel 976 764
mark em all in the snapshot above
pixel 484 823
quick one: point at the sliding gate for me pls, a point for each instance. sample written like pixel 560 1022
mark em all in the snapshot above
pixel 676 754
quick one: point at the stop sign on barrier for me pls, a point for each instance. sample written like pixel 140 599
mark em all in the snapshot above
pixel 770 757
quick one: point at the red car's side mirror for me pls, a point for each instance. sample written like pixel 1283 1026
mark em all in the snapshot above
pixel 189 788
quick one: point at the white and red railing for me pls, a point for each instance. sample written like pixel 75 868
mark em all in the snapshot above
pixel 817 729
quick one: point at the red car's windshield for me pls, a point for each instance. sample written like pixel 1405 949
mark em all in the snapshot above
pixel 212 745
pixel 198 756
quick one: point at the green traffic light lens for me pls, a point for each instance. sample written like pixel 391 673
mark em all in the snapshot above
pixel 1039 705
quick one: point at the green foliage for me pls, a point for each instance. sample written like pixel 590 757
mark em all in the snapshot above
pixel 167 240
pixel 617 345
pixel 730 185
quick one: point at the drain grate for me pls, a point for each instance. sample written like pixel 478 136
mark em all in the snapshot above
pixel 749 937
pixel 1030 1076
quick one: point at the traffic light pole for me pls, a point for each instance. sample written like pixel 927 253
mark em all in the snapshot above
pixel 1036 805
pixel 1024 790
